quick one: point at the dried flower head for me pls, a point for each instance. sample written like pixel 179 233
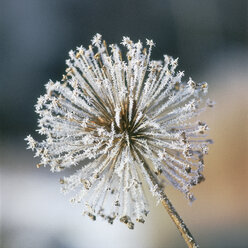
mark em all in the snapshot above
pixel 120 119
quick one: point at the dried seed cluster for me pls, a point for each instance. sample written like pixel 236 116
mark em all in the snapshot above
pixel 119 119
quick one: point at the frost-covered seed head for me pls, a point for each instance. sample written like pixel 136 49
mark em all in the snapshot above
pixel 118 118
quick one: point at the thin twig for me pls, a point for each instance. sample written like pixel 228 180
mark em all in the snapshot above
pixel 181 226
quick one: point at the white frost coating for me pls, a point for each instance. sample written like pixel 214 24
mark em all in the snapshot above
pixel 117 116
pixel 120 118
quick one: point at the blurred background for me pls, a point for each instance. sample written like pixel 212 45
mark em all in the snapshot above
pixel 211 40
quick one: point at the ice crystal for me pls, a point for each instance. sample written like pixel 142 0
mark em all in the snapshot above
pixel 118 119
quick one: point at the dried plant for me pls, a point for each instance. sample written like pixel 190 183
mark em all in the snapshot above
pixel 125 123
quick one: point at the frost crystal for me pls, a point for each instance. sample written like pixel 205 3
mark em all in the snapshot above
pixel 118 119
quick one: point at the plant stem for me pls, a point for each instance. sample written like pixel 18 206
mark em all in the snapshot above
pixel 181 226
pixel 183 229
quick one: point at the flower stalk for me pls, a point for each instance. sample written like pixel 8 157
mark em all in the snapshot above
pixel 181 226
